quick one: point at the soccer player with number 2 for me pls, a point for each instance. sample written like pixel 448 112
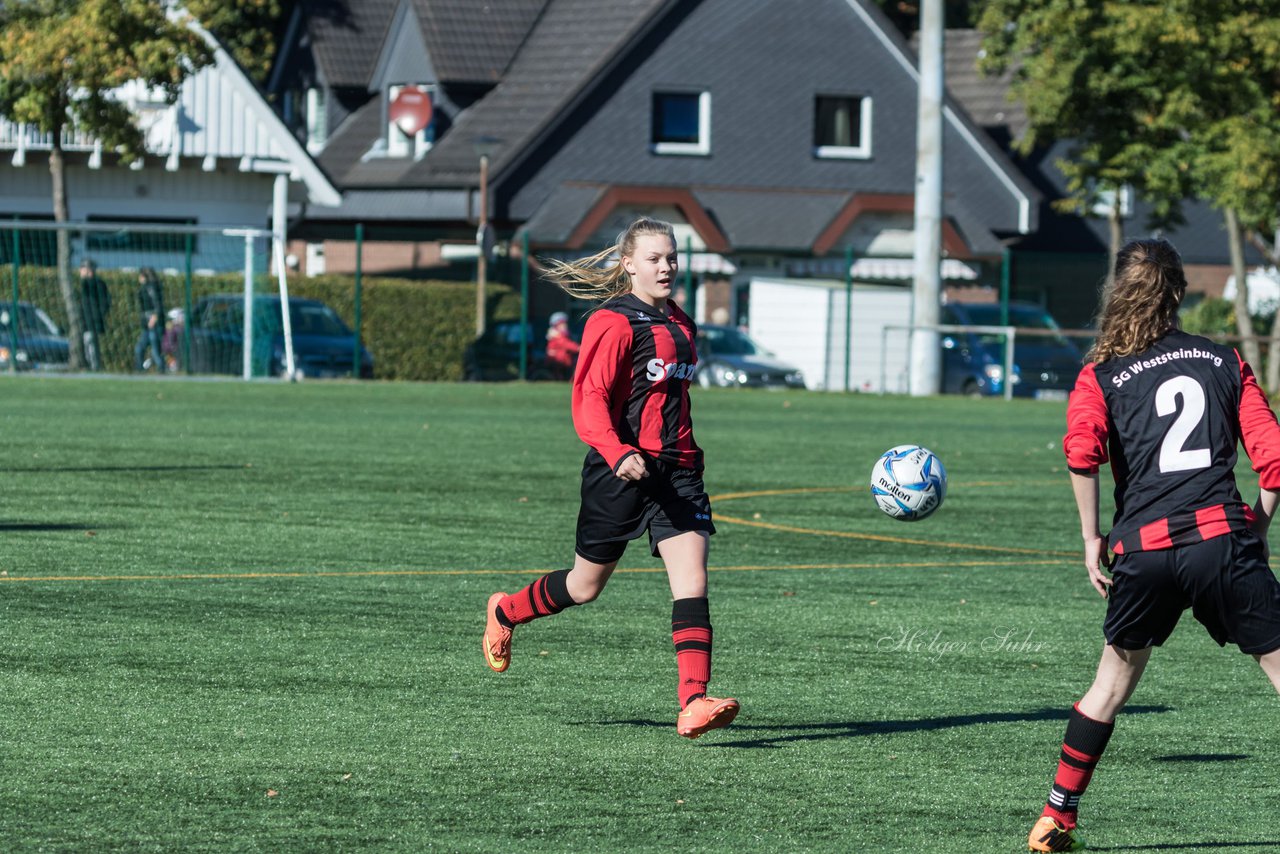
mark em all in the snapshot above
pixel 1167 410
pixel 643 471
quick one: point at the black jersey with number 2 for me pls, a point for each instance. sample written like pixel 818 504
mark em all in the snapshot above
pixel 1169 420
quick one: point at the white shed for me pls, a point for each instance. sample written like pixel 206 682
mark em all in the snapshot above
pixel 807 322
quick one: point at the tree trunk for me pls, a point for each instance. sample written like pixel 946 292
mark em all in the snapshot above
pixel 1115 229
pixel 1244 321
pixel 70 298
pixel 1272 253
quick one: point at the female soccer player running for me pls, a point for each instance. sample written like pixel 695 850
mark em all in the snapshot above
pixel 643 471
pixel 1166 409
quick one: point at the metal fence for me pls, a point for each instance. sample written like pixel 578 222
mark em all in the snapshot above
pixel 133 297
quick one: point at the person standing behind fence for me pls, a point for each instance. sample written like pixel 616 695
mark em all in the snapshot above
pixel 151 313
pixel 562 350
pixel 95 303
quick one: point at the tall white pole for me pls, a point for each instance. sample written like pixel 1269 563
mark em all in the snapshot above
pixel 926 357
pixel 247 350
pixel 482 259
pixel 279 240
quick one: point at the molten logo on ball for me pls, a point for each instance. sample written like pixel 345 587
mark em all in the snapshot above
pixel 908 482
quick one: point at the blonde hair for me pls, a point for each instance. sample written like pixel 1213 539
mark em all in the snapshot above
pixel 586 279
pixel 1142 306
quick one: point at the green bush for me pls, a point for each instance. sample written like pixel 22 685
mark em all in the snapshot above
pixel 1215 317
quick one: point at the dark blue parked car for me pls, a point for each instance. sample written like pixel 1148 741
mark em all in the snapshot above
pixel 1044 366
pixel 323 346
pixel 41 344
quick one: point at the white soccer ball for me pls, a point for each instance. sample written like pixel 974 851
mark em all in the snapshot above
pixel 908 482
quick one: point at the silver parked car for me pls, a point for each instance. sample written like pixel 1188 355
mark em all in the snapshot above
pixel 729 358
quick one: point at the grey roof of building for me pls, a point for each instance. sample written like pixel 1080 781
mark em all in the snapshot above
pixel 475 41
pixel 567 49
pixel 394 205
pixel 346 36
pixel 976 234
pixel 561 213
pixel 469 41
pixel 558 58
pixel 984 98
pixel 351 140
pixel 772 219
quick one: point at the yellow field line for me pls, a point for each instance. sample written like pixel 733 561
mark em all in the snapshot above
pixel 215 576
pixel 808 490
pixel 732 496
pixel 881 538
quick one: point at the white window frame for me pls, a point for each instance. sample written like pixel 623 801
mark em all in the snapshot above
pixel 861 151
pixel 317 118
pixel 703 146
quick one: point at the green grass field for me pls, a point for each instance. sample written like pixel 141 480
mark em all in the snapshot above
pixel 247 617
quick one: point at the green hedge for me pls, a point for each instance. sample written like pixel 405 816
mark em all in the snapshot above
pixel 415 329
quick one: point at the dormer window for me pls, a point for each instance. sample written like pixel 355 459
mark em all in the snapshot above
pixel 842 126
pixel 681 123
pixel 409 120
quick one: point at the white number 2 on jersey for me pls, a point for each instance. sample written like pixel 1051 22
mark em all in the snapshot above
pixel 1173 456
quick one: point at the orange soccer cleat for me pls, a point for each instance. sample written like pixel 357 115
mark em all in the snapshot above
pixel 497 637
pixel 1050 835
pixel 706 713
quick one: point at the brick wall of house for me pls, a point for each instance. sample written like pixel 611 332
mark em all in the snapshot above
pixel 391 258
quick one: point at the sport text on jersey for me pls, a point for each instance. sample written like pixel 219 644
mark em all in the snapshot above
pixel 1136 368
pixel 657 369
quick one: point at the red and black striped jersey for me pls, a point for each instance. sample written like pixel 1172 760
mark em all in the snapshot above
pixel 1169 420
pixel 631 386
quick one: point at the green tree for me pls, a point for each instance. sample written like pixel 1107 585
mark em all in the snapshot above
pixel 248 29
pixel 1087 73
pixel 1238 136
pixel 1176 98
pixel 60 61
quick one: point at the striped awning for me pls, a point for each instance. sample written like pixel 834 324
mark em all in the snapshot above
pixel 708 262
pixel 877 269
pixel 904 269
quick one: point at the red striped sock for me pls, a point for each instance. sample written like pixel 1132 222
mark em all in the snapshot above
pixel 691 633
pixel 544 597
pixel 1082 747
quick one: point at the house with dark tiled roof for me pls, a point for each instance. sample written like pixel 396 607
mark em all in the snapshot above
pixel 773 140
pixel 1064 261
pixel 778 142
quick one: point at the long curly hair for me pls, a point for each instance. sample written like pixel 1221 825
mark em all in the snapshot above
pixel 1142 305
pixel 586 279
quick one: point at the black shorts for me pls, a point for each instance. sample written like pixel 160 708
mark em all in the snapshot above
pixel 1225 581
pixel 670 501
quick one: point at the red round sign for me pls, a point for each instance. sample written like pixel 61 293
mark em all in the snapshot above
pixel 411 110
